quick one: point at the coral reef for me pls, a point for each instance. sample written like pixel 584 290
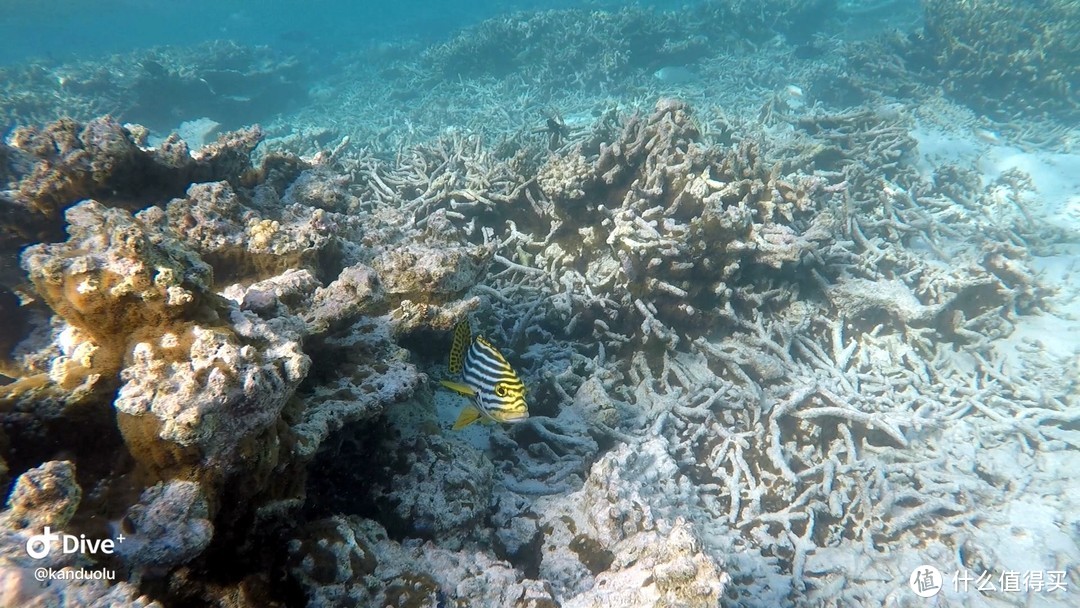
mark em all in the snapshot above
pixel 441 490
pixel 656 209
pixel 352 561
pixel 48 495
pixel 161 87
pixel 761 351
pixel 1004 58
pixel 55 166
pixel 43 496
pixel 203 389
pixel 109 281
pixel 167 527
pixel 577 46
pixel 657 569
pixel 245 240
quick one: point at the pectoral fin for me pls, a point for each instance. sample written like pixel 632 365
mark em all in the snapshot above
pixel 468 416
pixel 458 388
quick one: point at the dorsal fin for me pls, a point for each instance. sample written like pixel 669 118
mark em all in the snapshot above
pixel 462 338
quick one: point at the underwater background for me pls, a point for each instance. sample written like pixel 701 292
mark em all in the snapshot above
pixel 587 304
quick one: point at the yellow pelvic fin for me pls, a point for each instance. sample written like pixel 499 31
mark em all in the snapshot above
pixel 468 416
pixel 458 388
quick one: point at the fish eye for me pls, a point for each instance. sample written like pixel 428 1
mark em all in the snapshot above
pixel 500 391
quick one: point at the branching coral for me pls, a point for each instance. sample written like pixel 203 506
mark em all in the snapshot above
pixel 759 349
pixel 1005 58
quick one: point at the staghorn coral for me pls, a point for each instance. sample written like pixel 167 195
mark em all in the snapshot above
pixel 654 209
pixel 1003 58
pixel 808 423
pixel 794 430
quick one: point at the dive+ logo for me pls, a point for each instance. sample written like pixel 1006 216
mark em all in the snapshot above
pixel 39 545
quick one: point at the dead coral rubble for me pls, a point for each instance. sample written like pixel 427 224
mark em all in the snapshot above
pixel 793 405
pixel 738 362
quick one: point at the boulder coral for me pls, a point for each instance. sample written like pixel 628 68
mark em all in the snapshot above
pixel 115 284
pixel 53 167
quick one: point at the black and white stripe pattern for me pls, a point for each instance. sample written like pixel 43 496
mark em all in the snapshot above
pixel 499 391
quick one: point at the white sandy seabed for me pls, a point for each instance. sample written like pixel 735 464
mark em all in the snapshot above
pixel 1034 533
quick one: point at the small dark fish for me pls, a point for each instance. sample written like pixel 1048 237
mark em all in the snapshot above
pixel 154 69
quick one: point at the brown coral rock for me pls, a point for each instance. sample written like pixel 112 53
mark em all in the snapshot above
pixel 112 280
pixel 240 241
pixel 66 162
pixel 47 495
pixel 420 273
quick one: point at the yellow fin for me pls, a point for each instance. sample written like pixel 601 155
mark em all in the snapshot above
pixel 462 337
pixel 468 416
pixel 458 388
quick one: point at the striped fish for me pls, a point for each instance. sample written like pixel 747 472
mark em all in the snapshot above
pixel 498 395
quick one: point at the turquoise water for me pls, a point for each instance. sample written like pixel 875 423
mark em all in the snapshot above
pixel 62 29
